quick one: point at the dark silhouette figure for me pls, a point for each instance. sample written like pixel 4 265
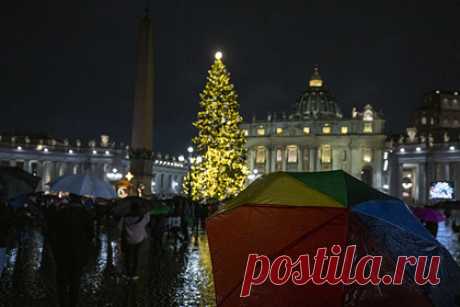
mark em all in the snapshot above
pixel 133 234
pixel 70 237
pixel 5 225
pixel 432 228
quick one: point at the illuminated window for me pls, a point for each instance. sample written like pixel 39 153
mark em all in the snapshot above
pixel 260 154
pixel 367 155
pixel 306 130
pixel 344 130
pixel 326 156
pixel 368 127
pixel 246 132
pixel 327 129
pixel 279 155
pixel 260 131
pixel 279 131
pixel 423 120
pixel 432 121
pixel 292 153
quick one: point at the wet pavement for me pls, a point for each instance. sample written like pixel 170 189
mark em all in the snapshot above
pixel 449 239
pixel 174 273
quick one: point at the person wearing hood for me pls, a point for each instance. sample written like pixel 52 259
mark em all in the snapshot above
pixel 133 234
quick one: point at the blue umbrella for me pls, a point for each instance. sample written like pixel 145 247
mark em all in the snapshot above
pixel 83 185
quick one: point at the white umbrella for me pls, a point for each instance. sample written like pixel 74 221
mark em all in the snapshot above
pixel 86 185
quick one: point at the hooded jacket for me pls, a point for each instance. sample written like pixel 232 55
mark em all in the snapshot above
pixel 133 228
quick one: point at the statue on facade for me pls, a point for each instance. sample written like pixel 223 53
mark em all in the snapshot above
pixel 446 137
pixel 411 133
pixel 104 140
pixel 430 140
pixel 354 113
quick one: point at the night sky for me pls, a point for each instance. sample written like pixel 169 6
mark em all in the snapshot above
pixel 68 68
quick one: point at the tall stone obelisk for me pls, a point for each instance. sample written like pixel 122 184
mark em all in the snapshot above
pixel 142 128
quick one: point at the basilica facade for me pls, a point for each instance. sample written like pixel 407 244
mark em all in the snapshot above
pixel 316 136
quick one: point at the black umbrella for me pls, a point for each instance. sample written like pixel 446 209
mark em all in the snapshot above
pixel 124 206
pixel 15 181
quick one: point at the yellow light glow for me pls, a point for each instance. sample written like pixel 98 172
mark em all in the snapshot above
pixel 218 55
pixel 367 127
pixel 260 131
pixel 316 83
pixel 129 176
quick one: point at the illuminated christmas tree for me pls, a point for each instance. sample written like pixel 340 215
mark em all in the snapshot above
pixel 221 171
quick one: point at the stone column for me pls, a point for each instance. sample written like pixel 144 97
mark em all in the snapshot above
pixel 284 156
pixel 394 176
pixel 267 159
pixel 377 159
pixel 299 157
pixel 312 159
pixel 272 159
pixel 446 171
pixel 421 182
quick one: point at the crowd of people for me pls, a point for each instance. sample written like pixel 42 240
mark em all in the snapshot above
pixel 71 224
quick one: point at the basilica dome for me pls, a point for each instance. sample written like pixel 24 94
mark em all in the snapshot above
pixel 317 102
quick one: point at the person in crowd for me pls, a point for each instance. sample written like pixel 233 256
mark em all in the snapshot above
pixel 70 236
pixel 455 216
pixel 5 225
pixel 133 234
pixel 432 228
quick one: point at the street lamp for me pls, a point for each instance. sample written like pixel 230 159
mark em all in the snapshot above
pixel 189 164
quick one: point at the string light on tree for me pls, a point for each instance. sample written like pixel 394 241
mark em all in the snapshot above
pixel 220 170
